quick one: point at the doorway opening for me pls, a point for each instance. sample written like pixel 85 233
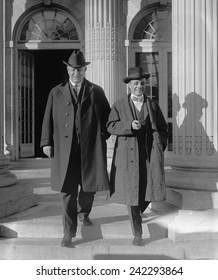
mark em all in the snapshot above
pixel 48 70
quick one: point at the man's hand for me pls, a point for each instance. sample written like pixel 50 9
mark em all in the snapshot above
pixel 48 151
pixel 136 125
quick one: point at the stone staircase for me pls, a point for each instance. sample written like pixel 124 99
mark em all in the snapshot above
pixel 36 233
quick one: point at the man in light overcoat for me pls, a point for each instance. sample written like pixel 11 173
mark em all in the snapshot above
pixel 137 171
pixel 74 135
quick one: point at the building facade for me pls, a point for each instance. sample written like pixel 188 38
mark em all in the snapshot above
pixel 175 41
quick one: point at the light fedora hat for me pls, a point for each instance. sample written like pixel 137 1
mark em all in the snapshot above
pixel 76 60
pixel 135 73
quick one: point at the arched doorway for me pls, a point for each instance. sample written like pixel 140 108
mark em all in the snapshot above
pixel 150 37
pixel 45 37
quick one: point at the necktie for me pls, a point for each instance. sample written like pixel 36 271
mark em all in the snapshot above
pixel 76 89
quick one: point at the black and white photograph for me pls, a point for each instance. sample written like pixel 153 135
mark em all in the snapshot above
pixel 108 139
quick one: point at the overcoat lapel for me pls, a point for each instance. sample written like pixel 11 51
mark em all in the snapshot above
pixel 65 89
pixel 129 111
pixel 145 108
pixel 86 89
pixel 85 92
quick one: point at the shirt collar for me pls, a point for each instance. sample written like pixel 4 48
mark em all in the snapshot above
pixel 137 98
pixel 73 84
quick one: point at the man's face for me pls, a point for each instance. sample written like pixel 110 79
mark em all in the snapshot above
pixel 137 87
pixel 76 75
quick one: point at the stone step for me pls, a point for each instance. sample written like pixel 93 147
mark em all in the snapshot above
pixel 83 249
pixel 106 249
pixel 192 199
pixel 16 198
pixel 45 221
pixel 194 225
pixel 17 205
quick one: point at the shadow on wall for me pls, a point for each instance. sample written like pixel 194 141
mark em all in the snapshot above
pixel 197 141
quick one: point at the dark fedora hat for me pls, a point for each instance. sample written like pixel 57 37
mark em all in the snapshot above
pixel 76 60
pixel 135 73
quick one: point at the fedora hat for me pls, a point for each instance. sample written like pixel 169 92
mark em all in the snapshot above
pixel 135 73
pixel 76 60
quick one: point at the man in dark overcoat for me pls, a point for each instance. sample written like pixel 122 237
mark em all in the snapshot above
pixel 137 171
pixel 74 135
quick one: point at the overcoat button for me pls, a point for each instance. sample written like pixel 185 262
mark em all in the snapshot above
pixel 66 125
pixel 68 103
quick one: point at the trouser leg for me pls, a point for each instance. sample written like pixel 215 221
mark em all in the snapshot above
pixel 85 202
pixel 142 179
pixel 70 214
pixel 142 189
pixel 135 220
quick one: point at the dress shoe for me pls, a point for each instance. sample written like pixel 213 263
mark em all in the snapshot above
pixel 66 241
pixel 86 221
pixel 137 241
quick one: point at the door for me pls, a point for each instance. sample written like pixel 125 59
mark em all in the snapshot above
pixel 26 104
pixel 158 63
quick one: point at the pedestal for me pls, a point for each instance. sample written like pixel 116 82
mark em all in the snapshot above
pixel 14 196
pixel 6 177
pixel 192 214
pixel 192 179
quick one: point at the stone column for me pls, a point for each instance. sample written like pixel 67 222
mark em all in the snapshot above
pixel 14 196
pixel 193 175
pixel 104 37
pixel 104 45
pixel 6 177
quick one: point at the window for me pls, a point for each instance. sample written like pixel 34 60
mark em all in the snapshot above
pixel 150 64
pixel 145 29
pixel 156 25
pixel 48 25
